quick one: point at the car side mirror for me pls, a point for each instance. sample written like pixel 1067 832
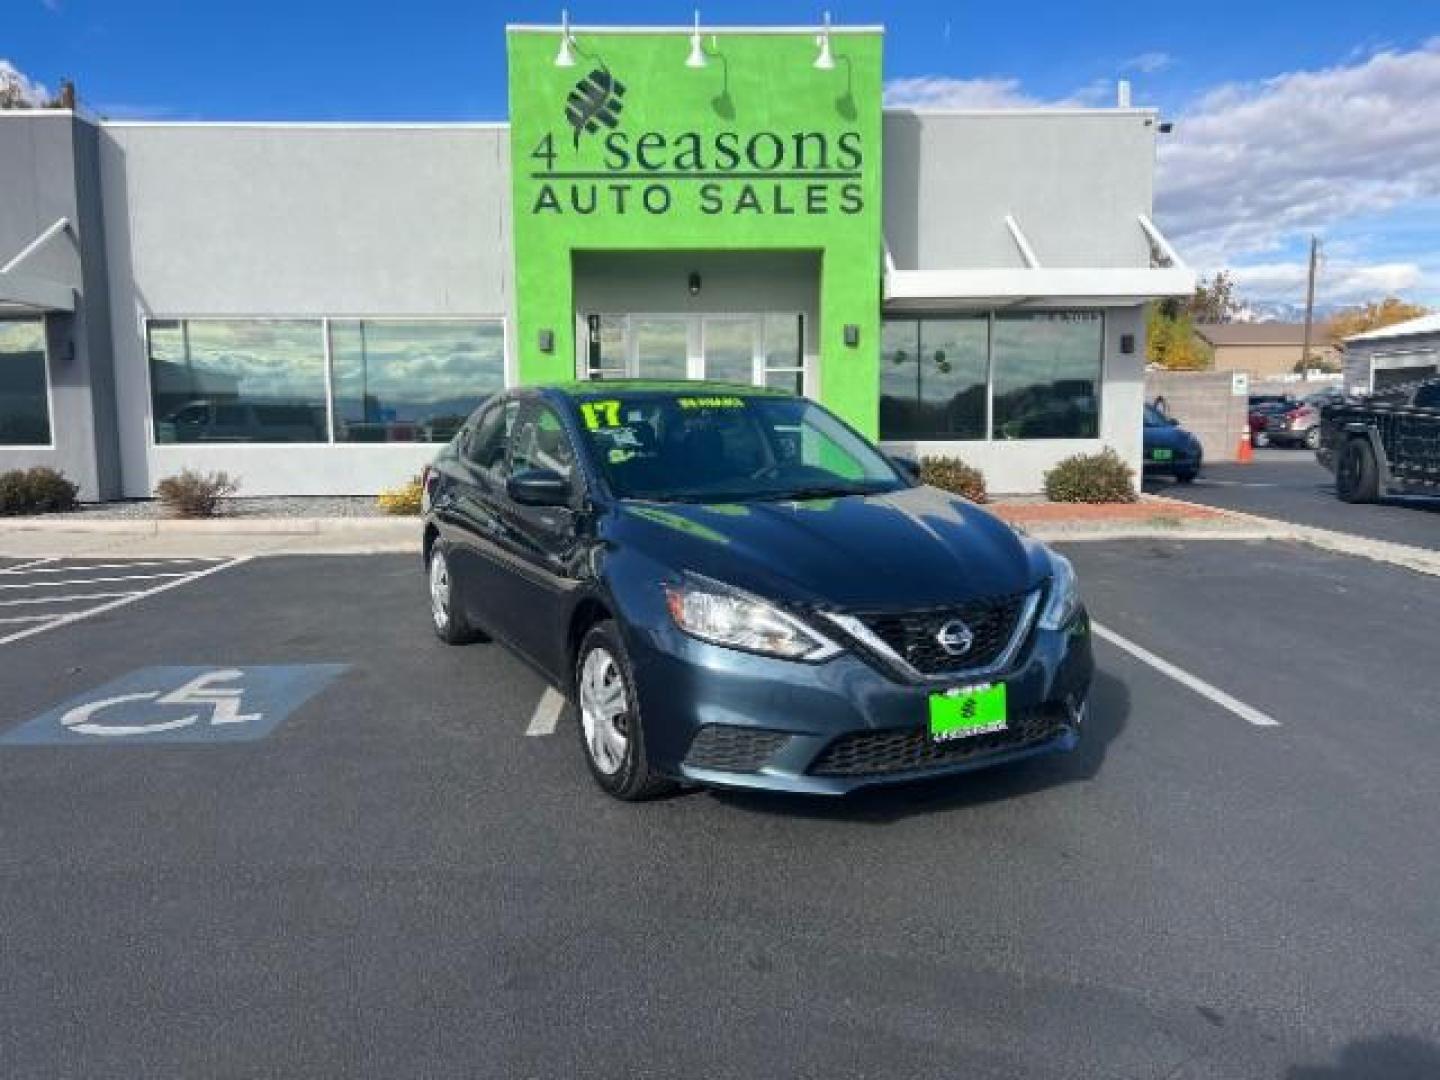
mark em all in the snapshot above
pixel 1173 421
pixel 538 487
pixel 908 466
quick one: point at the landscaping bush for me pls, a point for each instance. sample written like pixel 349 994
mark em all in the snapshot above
pixel 36 491
pixel 195 494
pixel 952 474
pixel 403 500
pixel 1091 478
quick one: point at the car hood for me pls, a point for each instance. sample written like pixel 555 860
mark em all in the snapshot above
pixel 917 547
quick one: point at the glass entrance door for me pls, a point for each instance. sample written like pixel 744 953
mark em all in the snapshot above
pixel 755 349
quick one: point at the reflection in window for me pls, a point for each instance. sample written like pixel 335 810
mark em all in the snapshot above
pixel 24 407
pixel 932 378
pixel 238 380
pixel 1047 375
pixel 411 380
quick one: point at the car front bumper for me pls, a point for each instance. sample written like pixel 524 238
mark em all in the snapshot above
pixel 723 718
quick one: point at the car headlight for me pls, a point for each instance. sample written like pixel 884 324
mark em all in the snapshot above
pixel 721 615
pixel 1062 599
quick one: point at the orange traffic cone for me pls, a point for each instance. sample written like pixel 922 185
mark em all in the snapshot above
pixel 1244 453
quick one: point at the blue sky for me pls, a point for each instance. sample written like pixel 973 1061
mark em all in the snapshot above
pixel 1291 116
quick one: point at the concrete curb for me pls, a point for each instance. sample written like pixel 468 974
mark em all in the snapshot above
pixel 223 526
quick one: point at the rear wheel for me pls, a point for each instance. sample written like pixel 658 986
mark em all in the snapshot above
pixel 1186 476
pixel 446 614
pixel 1357 480
pixel 610 729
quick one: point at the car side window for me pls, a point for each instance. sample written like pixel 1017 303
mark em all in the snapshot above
pixel 540 442
pixel 1428 396
pixel 488 443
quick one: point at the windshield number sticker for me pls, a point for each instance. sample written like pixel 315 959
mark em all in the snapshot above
pixel 600 414
pixel 710 402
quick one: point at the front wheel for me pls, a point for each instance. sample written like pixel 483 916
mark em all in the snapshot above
pixel 1356 478
pixel 446 615
pixel 610 729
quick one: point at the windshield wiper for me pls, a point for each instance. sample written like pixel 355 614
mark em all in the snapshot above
pixel 819 491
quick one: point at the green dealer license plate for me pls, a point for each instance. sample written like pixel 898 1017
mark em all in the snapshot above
pixel 967 711
pixel 1161 454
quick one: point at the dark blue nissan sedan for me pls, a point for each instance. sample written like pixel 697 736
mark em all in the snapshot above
pixel 736 589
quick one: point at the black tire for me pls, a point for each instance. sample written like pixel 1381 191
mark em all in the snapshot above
pixel 1186 476
pixel 628 776
pixel 1357 480
pixel 446 617
pixel 1312 438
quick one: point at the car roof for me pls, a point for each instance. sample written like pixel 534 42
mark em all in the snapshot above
pixel 585 389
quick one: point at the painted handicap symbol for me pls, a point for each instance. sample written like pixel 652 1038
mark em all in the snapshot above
pixel 179 705
pixel 225 703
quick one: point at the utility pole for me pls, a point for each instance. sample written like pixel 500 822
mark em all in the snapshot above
pixel 1309 305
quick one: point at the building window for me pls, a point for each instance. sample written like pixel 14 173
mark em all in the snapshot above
pixel 411 380
pixel 24 388
pixel 238 380
pixel 1047 374
pixel 933 377
pixel 1039 371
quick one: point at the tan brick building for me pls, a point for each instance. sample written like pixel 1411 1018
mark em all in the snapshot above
pixel 1263 349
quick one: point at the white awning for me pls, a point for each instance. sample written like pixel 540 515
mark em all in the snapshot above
pixel 31 294
pixel 1034 284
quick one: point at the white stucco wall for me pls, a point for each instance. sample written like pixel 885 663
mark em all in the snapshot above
pixel 296 220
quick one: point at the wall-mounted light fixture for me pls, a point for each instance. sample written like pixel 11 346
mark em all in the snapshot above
pixel 824 61
pixel 696 59
pixel 547 341
pixel 852 334
pixel 1127 344
pixel 694 283
pixel 566 56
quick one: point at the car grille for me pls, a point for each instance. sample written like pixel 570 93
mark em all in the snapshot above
pixel 733 749
pixel 913 635
pixel 879 753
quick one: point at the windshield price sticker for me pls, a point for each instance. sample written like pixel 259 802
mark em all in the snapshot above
pixel 710 402
pixel 600 414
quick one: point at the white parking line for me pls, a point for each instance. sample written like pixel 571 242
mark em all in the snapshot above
pixel 121 600
pixel 199 564
pixel 547 713
pixel 93 580
pixel 28 618
pixel 1247 713
pixel 19 567
pixel 64 599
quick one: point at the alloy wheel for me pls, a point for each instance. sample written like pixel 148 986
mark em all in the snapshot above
pixel 440 591
pixel 604 710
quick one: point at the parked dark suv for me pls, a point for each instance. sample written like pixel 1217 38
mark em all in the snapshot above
pixel 737 589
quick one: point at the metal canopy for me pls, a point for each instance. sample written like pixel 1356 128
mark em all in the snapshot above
pixel 1033 284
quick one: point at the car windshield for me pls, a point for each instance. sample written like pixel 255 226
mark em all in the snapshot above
pixel 728 447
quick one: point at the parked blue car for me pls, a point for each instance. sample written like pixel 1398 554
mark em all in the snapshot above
pixel 1170 450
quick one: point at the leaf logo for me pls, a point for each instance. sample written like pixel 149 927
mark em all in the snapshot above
pixel 596 100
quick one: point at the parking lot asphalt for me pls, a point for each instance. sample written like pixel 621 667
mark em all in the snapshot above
pixel 398 881
pixel 1290 485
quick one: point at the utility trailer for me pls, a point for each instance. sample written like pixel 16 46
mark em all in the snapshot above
pixel 1388 444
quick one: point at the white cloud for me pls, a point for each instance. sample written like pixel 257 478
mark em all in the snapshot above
pixel 1252 166
pixel 1339 282
pixel 15 85
pixel 1149 63
pixel 939 92
pixel 942 92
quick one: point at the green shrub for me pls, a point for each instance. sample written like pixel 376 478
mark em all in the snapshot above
pixel 195 494
pixel 1091 478
pixel 36 491
pixel 952 474
pixel 403 500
